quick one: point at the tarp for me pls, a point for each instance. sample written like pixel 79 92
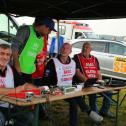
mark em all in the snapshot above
pixel 66 9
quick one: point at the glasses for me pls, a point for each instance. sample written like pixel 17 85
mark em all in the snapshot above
pixel 86 48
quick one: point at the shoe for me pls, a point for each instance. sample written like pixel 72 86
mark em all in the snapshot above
pixel 95 117
pixel 108 114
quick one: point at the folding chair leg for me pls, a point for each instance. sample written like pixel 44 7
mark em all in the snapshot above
pixel 122 100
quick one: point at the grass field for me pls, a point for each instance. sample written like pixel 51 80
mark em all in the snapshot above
pixel 60 114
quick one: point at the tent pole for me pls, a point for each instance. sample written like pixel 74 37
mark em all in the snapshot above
pixel 58 34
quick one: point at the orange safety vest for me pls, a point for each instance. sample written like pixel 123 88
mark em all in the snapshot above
pixel 89 66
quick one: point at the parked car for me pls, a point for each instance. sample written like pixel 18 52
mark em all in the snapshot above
pixel 111 56
pixel 8 28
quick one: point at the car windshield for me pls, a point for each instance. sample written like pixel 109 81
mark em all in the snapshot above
pixel 91 35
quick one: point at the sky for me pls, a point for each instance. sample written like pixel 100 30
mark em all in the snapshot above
pixel 24 20
pixel 108 26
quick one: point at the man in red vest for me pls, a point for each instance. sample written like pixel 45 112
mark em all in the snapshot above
pixel 87 67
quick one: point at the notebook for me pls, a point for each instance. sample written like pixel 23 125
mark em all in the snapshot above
pixel 90 82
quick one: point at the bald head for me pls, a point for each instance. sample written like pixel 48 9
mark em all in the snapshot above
pixel 86 49
pixel 67 44
pixel 66 49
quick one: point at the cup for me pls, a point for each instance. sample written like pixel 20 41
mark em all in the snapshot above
pixel 29 96
pixel 78 87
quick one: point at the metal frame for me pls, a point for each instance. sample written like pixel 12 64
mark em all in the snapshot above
pixel 116 102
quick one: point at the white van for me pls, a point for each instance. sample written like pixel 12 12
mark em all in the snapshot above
pixel 73 30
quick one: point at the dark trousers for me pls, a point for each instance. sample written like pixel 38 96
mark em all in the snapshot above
pixel 105 105
pixel 27 77
pixel 37 82
pixel 21 115
pixel 73 103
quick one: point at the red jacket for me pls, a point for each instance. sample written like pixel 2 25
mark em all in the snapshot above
pixel 40 67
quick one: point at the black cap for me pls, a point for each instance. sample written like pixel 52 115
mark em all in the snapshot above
pixel 45 21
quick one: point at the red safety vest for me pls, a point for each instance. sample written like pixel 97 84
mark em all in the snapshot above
pixel 40 67
pixel 89 66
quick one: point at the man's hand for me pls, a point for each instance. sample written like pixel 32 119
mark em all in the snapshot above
pixel 85 78
pixel 19 89
pixel 29 86
pixel 16 61
pixel 41 60
pixel 26 86
pixel 80 75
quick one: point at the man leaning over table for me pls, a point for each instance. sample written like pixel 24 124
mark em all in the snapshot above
pixel 11 82
pixel 27 48
pixel 87 66
pixel 55 75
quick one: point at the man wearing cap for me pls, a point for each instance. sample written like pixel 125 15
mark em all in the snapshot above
pixel 28 43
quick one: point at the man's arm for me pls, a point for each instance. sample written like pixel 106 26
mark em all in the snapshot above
pixel 98 72
pixel 18 45
pixel 15 55
pixel 80 75
pixel 26 86
pixel 50 77
pixel 99 75
pixel 5 91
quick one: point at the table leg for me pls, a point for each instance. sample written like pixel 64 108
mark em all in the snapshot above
pixel 36 116
pixel 116 102
pixel 117 109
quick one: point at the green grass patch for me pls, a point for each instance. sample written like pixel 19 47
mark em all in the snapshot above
pixel 59 114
